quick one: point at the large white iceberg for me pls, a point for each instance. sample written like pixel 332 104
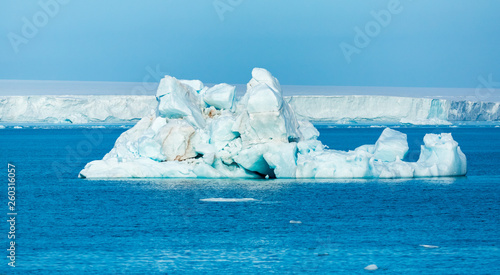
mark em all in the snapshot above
pixel 205 132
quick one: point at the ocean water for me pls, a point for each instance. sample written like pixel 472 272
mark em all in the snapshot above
pixel 178 226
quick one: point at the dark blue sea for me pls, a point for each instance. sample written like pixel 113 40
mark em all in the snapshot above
pixel 66 225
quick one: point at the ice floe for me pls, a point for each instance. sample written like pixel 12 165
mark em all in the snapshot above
pixel 228 200
pixel 371 267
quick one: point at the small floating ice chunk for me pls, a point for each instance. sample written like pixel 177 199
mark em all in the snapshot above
pixel 18 127
pixel 295 222
pixel 429 246
pixel 228 200
pixel 371 267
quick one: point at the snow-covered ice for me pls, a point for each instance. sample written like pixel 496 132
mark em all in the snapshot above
pixel 339 109
pixel 204 132
pixel 371 267
pixel 74 109
pixel 391 109
pixel 228 200
pixel 429 246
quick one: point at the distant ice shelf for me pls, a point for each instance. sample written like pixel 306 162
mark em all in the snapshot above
pixel 392 109
pixel 84 109
pixel 81 109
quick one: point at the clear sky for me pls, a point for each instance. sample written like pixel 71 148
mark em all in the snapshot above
pixel 419 43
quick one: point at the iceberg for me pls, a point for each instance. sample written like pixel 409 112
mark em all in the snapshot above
pixel 203 132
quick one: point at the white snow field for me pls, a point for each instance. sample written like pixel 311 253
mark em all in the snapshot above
pixel 196 131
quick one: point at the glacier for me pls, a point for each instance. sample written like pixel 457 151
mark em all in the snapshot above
pixel 339 109
pixel 74 109
pixel 197 131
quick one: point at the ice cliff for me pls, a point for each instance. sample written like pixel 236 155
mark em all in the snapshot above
pixel 197 131
pixel 392 109
pixel 74 109
pixel 336 109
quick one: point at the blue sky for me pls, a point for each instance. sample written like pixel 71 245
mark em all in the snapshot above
pixel 423 44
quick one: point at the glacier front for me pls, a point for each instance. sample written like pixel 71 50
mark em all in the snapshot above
pixel 197 131
pixel 338 109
